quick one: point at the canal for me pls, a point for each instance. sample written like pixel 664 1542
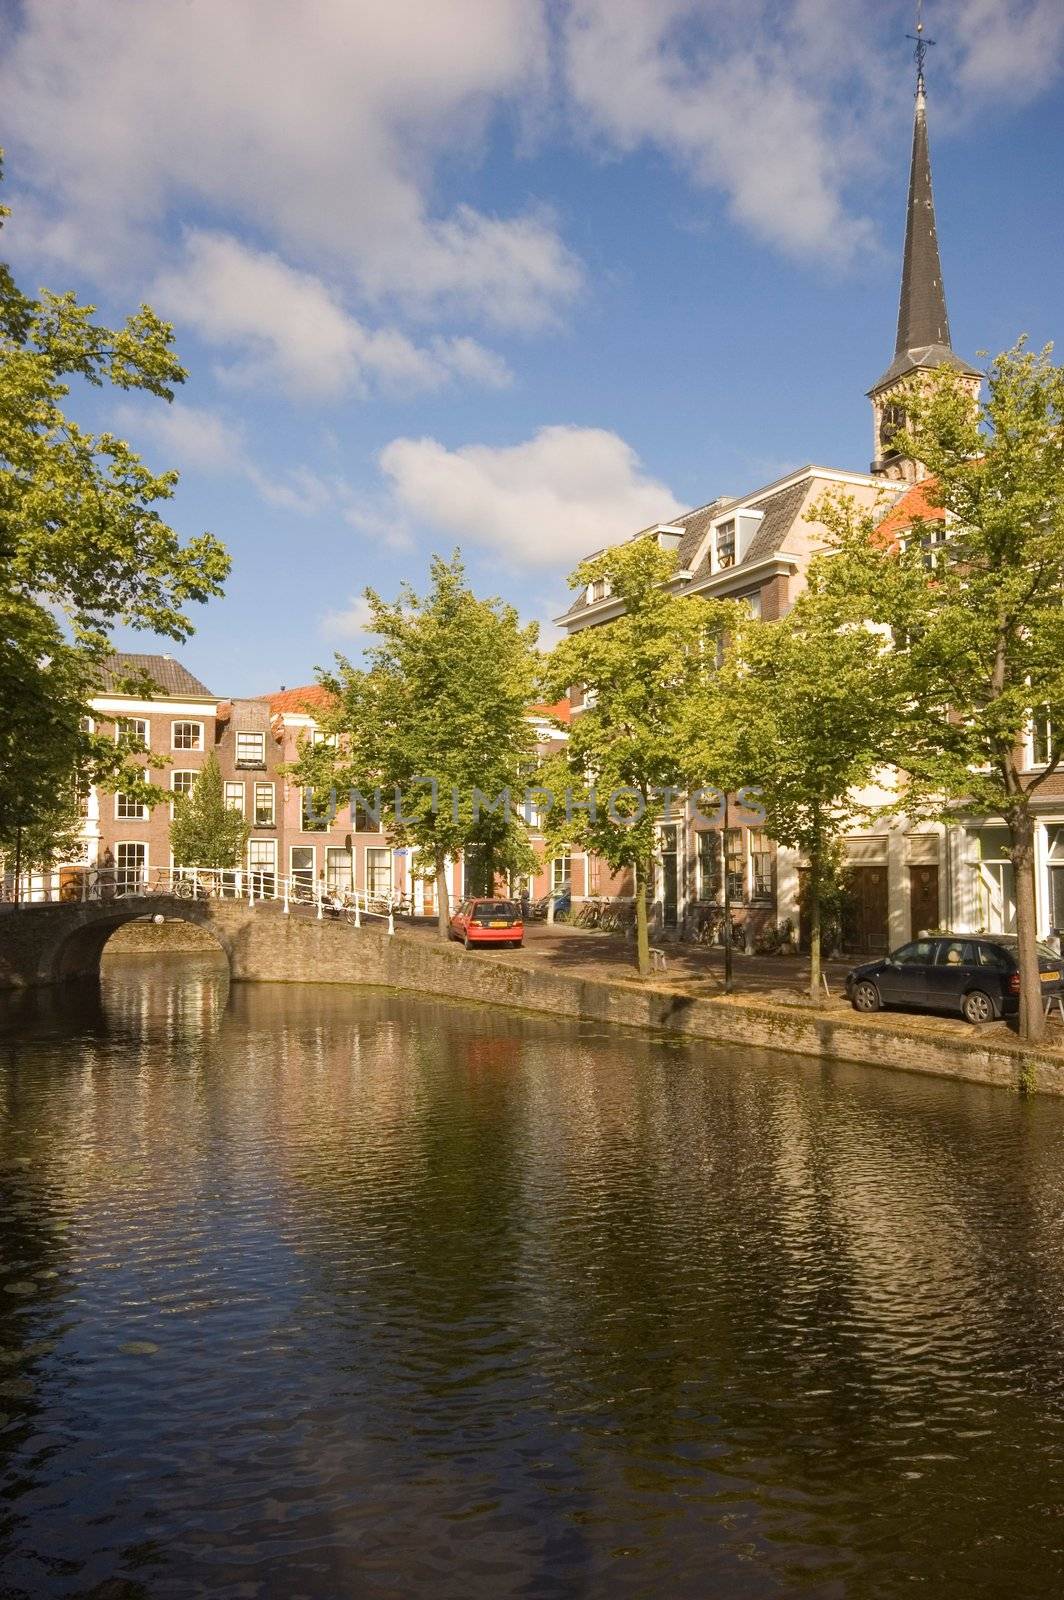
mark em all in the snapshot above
pixel 312 1293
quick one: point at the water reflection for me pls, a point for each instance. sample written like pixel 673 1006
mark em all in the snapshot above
pixel 337 1294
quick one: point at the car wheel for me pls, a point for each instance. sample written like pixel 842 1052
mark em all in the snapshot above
pixel 866 996
pixel 977 1007
pixel 467 942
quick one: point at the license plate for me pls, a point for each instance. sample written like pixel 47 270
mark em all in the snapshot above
pixel 498 924
pixel 1050 977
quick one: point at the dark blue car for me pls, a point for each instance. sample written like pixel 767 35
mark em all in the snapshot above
pixel 977 975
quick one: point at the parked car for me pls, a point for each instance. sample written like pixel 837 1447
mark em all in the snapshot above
pixel 977 975
pixel 488 922
pixel 563 900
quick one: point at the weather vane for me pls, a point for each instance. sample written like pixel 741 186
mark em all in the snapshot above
pixel 921 45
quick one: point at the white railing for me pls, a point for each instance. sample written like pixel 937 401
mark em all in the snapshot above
pixel 91 883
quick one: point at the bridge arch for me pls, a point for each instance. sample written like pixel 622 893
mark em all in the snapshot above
pixel 77 950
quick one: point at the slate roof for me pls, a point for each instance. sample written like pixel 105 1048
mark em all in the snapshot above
pixel 694 524
pixel 923 324
pixel 168 675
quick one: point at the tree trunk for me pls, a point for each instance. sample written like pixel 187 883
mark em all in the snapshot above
pixel 815 968
pixel 443 904
pixel 1032 1016
pixel 18 864
pixel 642 931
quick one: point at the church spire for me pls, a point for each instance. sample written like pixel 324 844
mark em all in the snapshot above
pixel 922 318
pixel 923 340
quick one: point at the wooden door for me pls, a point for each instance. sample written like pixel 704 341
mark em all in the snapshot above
pixel 865 929
pixel 923 900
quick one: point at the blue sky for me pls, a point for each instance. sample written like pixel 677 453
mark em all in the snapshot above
pixel 517 275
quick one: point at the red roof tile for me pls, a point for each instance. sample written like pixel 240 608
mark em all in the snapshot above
pixel 560 710
pixel 311 697
pixel 914 503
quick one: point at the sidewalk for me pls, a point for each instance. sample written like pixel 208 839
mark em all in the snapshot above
pixel 698 971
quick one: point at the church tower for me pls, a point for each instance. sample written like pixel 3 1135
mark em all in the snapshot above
pixel 923 326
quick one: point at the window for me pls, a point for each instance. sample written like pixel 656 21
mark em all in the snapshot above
pixel 993 957
pixel 234 797
pixel 726 545
pixel 301 857
pixel 1042 747
pixel 597 590
pixel 364 820
pixel 251 749
pixel 956 953
pixel 127 809
pixel 753 603
pixel 760 864
pixel 186 736
pixel 262 865
pixel 181 784
pixel 132 732
pixel 378 873
pixel 561 872
pixel 708 866
pixel 317 812
pixel 891 422
pixel 736 874
pixel 317 737
pixel 917 954
pixel 264 807
pixel 339 878
pixel 131 867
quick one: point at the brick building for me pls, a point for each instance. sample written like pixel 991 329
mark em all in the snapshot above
pixel 180 721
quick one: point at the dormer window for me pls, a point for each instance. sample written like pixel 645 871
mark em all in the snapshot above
pixel 726 545
pixel 598 590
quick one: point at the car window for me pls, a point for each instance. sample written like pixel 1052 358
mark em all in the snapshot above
pixel 917 954
pixel 956 953
pixel 995 958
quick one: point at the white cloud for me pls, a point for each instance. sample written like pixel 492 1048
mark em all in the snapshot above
pixel 720 88
pixel 349 622
pixel 190 436
pixel 783 106
pixel 321 126
pixel 291 328
pixel 547 501
pixel 1013 49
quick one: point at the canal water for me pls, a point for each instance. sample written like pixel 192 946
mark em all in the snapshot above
pixel 312 1293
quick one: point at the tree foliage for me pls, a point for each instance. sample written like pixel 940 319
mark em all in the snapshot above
pixel 639 675
pixel 806 709
pixel 81 538
pixel 439 714
pixel 977 615
pixel 204 831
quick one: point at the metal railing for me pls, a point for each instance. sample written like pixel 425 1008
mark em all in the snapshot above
pixel 92 883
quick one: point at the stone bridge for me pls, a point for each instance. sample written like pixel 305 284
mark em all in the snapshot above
pixel 43 944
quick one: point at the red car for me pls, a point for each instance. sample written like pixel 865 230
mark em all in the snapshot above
pixel 488 922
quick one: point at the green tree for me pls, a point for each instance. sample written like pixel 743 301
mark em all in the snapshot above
pixel 639 674
pixel 81 536
pixel 806 709
pixel 204 831
pixel 437 720
pixel 976 607
pixel 47 753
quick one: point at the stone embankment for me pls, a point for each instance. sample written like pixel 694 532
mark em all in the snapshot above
pixel 296 951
